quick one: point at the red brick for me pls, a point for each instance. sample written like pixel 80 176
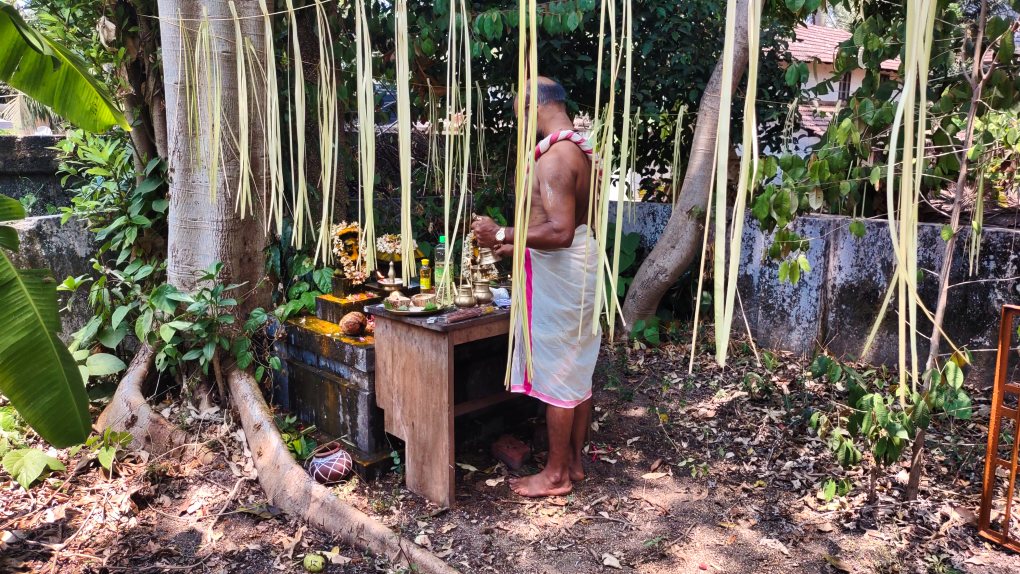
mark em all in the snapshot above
pixel 511 451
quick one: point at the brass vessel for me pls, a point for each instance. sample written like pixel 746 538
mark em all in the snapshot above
pixel 482 293
pixel 465 298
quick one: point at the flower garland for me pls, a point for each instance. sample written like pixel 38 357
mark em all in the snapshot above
pixel 389 244
pixel 347 250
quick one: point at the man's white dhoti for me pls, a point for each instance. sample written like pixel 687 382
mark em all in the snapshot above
pixel 560 296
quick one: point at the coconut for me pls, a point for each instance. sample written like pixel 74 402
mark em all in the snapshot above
pixel 352 324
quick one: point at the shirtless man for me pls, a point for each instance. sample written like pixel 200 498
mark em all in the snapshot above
pixel 561 261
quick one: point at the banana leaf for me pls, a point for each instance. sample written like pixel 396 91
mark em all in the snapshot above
pixel 37 372
pixel 52 75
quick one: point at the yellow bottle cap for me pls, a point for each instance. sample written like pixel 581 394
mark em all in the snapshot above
pixel 425 262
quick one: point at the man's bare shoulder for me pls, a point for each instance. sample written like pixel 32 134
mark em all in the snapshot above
pixel 564 160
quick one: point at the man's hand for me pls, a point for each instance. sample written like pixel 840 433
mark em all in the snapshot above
pixel 485 231
pixel 504 251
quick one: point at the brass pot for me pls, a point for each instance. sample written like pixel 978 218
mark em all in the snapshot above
pixel 464 297
pixel 482 293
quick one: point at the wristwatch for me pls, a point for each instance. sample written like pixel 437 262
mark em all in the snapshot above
pixel 501 235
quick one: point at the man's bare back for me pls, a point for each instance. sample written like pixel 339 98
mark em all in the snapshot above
pixel 561 187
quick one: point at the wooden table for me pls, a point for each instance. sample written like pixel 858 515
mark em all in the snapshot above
pixel 414 384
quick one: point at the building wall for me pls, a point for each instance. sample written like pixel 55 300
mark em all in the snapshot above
pixel 819 72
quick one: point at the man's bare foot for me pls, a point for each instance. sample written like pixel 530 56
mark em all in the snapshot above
pixel 544 483
pixel 576 470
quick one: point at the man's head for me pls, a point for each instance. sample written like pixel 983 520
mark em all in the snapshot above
pixel 552 103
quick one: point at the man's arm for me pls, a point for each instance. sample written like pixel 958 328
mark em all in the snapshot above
pixel 556 188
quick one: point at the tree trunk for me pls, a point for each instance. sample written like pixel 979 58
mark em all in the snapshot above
pixel 206 230
pixel 678 245
pixel 977 82
pixel 143 102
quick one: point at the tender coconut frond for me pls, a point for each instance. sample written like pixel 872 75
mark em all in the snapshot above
pixel 328 130
pixel 365 94
pixel 404 126
pixel 296 133
pixel 243 202
pixel 748 172
pixel 274 143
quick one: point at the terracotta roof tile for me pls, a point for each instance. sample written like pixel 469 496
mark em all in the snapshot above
pixel 821 42
pixel 816 120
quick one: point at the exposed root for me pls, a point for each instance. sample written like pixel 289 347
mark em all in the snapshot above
pixel 129 411
pixel 286 484
pixel 289 487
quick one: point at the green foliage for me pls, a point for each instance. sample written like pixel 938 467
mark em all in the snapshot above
pixel 127 212
pixel 106 446
pixel 26 465
pixel 646 331
pixel 96 365
pixel 12 430
pixel 397 466
pixel 128 215
pixel 834 488
pixel 191 326
pixel 845 172
pixel 880 416
pixel 300 282
pixel 51 74
pixel 300 445
pixel 37 372
pixel 629 243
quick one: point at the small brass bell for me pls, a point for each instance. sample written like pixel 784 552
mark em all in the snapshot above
pixel 487 257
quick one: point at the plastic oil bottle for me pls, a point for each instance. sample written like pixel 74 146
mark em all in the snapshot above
pixel 444 294
pixel 425 277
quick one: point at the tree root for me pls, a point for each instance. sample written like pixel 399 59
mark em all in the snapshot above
pixel 129 411
pixel 286 484
pixel 289 487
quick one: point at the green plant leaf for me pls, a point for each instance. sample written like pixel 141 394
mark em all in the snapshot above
pixel 53 75
pixel 954 375
pixel 106 456
pixel 102 364
pixel 946 233
pixel 11 209
pixel 37 372
pixel 110 338
pixel 118 315
pixel 857 228
pixel 9 238
pixel 26 465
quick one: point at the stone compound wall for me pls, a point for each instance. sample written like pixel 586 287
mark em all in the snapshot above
pixel 835 305
pixel 65 250
pixel 28 166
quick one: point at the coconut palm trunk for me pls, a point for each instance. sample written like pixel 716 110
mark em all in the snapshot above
pixel 680 240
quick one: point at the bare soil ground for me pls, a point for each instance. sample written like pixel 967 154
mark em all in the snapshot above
pixel 715 472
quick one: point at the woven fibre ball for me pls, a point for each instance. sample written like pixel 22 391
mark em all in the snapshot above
pixel 353 323
pixel 331 466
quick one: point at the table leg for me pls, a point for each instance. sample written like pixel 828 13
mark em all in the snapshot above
pixel 414 378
